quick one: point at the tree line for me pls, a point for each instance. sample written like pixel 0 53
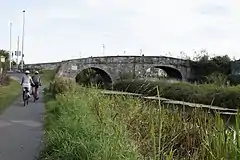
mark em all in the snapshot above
pixel 205 67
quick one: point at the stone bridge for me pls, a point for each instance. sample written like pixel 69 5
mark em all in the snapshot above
pixel 49 66
pixel 115 68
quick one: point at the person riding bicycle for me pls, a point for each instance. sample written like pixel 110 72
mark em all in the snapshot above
pixel 36 80
pixel 27 82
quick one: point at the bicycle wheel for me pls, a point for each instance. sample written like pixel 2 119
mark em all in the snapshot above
pixel 25 98
pixel 35 94
pixel 34 98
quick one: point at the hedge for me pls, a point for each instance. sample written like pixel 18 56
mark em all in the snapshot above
pixel 209 94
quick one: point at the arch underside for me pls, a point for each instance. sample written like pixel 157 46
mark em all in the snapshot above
pixel 171 72
pixel 94 75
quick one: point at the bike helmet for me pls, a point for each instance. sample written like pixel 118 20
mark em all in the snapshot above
pixel 36 72
pixel 27 72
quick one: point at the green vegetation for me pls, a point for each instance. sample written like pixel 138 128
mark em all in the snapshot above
pixel 4 66
pixel 204 66
pixel 9 89
pixel 76 131
pixel 209 94
pixel 90 76
pixel 8 93
pixel 83 124
pixel 47 76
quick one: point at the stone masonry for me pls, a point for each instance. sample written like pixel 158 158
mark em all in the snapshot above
pixel 114 68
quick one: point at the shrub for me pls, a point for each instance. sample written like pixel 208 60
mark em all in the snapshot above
pixel 4 79
pixel 59 85
pixel 228 97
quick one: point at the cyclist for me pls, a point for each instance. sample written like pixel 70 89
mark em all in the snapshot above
pixel 37 82
pixel 26 83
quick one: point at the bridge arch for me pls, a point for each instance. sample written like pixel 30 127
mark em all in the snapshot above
pixel 94 75
pixel 171 71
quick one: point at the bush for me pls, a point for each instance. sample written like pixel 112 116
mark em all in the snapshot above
pixel 209 94
pixel 5 79
pixel 59 85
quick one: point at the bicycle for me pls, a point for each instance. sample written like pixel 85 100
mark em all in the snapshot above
pixel 35 93
pixel 25 96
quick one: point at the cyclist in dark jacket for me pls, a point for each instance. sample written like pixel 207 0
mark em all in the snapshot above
pixel 36 80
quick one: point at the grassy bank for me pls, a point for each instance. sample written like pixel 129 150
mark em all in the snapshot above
pixel 84 124
pixel 8 93
pixel 75 130
pixel 47 76
pixel 208 94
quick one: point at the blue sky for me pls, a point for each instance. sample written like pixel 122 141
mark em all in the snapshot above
pixel 56 30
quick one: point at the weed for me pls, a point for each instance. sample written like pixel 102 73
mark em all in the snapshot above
pixel 84 124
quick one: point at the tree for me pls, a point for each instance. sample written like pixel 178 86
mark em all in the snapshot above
pixel 203 66
pixel 5 54
pixel 4 66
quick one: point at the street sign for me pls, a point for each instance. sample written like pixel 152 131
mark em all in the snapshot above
pixel 74 68
pixel 2 59
pixel 17 53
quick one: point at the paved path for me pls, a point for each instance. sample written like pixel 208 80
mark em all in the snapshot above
pixel 21 130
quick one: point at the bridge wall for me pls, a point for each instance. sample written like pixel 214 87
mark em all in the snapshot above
pixel 123 67
pixel 49 66
pixel 118 67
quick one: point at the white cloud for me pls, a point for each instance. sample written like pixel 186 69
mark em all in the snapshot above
pixel 174 25
pixel 156 26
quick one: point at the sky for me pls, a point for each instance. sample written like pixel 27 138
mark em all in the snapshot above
pixel 57 30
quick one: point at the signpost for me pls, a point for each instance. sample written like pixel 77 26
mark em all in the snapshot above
pixel 2 60
pixel 74 68
pixel 17 53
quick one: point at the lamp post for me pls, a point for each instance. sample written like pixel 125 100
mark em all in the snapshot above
pixel 10 47
pixel 23 32
pixel 17 51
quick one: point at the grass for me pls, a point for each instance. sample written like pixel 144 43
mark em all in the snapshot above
pixel 83 135
pixel 47 76
pixel 84 124
pixel 8 93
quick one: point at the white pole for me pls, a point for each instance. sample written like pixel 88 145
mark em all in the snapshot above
pixel 103 49
pixel 10 47
pixel 17 50
pixel 23 38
